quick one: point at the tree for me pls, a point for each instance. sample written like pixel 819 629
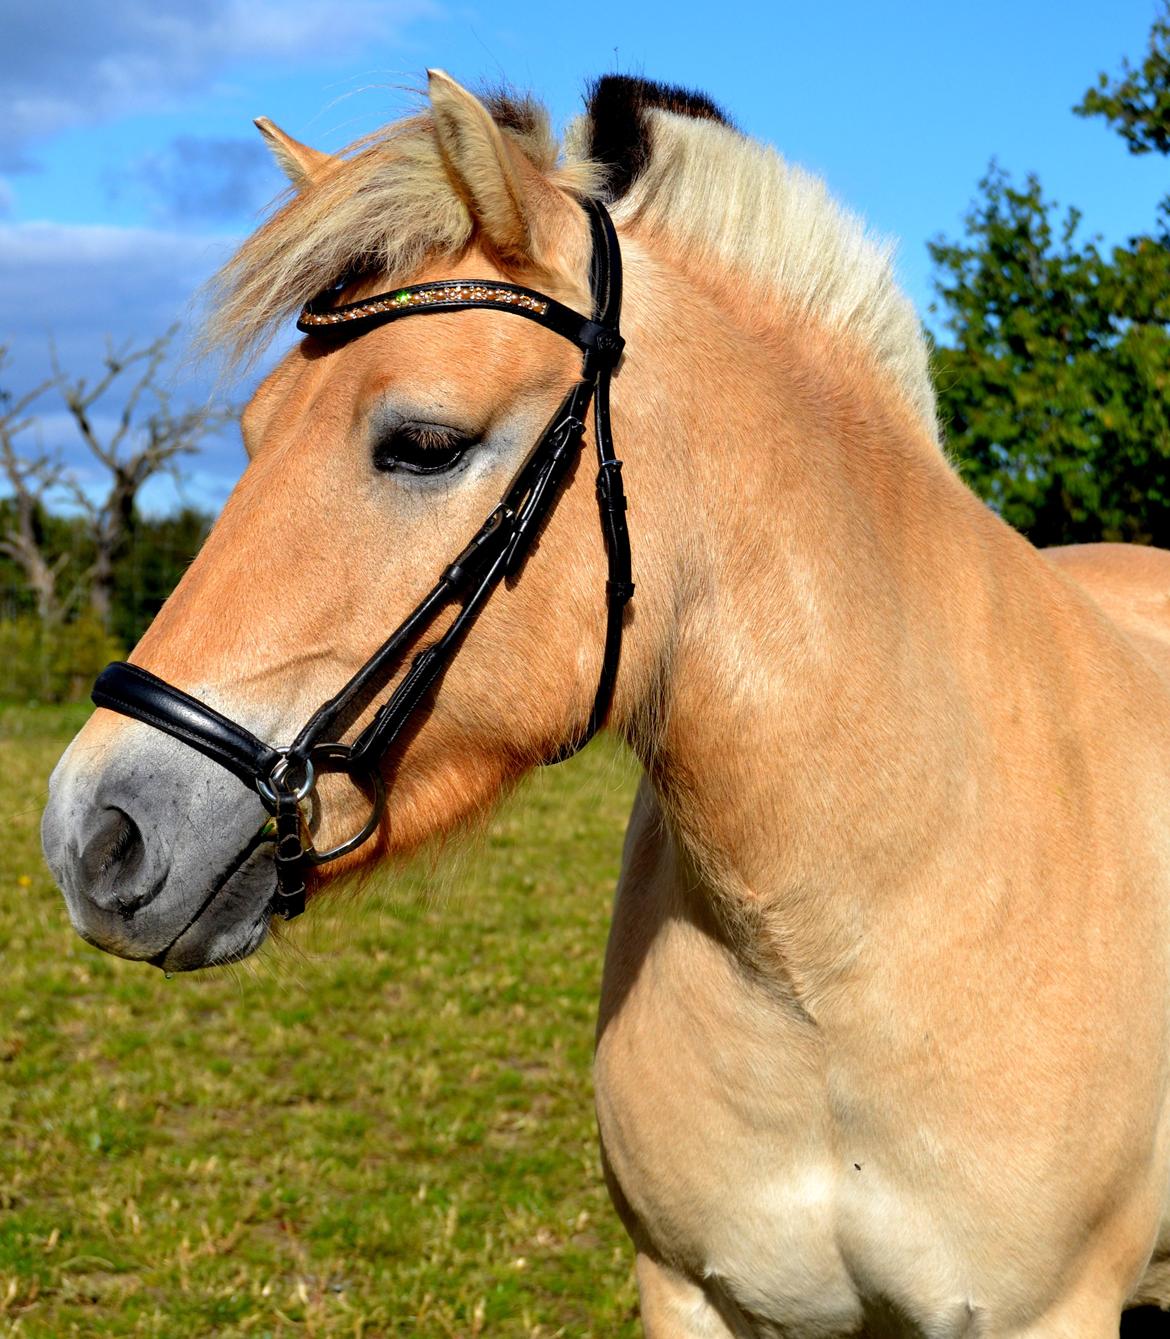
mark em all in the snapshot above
pixel 157 553
pixel 30 478
pixel 145 437
pixel 134 450
pixel 1137 104
pixel 1054 383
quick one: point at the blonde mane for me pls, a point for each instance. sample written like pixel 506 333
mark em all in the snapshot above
pixel 388 206
pixel 706 185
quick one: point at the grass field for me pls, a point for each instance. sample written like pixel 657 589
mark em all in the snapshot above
pixel 382 1126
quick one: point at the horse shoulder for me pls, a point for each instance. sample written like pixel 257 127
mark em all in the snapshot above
pixel 1131 585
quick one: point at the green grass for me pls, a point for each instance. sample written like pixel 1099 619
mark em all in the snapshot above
pixel 381 1126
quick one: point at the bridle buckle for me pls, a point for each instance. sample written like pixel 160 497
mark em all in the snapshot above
pixel 275 783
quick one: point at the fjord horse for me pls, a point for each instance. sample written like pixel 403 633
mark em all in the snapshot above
pixel 883 1045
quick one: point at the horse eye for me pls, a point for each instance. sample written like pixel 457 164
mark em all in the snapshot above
pixel 421 448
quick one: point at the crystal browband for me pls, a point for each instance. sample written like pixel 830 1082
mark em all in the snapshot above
pixel 323 317
pixel 453 294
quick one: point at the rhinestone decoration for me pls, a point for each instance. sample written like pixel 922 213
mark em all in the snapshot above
pixel 421 297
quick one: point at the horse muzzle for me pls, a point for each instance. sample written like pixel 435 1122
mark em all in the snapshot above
pixel 162 856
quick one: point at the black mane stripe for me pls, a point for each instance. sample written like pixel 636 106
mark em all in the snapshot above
pixel 619 135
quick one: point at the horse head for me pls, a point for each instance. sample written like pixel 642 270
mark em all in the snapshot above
pixel 375 449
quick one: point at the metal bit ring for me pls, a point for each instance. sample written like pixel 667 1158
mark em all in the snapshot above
pixel 267 785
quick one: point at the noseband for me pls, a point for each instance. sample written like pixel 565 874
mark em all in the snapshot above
pixel 285 777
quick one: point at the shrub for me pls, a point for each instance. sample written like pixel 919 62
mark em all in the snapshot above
pixel 40 663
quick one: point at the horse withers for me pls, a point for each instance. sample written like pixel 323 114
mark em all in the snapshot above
pixel 883 1044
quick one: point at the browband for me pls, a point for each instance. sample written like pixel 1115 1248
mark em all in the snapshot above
pixel 285 776
pixel 318 317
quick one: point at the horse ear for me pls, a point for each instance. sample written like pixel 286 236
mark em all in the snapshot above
pixel 489 171
pixel 296 160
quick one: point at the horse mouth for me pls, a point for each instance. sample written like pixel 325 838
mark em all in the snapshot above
pixel 232 922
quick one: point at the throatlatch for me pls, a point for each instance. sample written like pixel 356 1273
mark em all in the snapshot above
pixel 285 777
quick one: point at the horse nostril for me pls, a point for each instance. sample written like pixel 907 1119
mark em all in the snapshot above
pixel 111 863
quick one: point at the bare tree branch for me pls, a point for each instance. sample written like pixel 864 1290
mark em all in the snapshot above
pixel 29 478
pixel 145 438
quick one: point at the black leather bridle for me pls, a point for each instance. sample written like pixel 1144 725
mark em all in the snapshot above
pixel 286 776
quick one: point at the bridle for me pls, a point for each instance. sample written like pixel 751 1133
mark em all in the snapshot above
pixel 285 777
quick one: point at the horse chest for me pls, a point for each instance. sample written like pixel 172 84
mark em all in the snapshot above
pixel 726 1160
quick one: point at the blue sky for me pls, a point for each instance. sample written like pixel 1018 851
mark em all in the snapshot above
pixel 129 166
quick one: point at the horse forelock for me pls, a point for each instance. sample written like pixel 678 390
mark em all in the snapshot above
pixel 386 206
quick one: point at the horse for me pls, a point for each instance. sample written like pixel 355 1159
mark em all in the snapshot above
pixel 883 1041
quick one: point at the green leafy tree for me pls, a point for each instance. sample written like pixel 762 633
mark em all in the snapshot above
pixel 157 552
pixel 1055 377
pixel 1137 104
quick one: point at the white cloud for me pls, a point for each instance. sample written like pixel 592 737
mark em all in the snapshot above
pixel 64 64
pixel 76 281
pixel 196 180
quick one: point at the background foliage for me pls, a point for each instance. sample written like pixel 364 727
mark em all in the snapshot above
pixel 1054 373
pixel 57 662
pixel 80 565
pixel 157 553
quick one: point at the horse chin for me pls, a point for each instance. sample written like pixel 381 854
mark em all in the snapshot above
pixel 231 926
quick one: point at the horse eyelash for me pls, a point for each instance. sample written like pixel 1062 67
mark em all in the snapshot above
pixel 431 436
pixel 409 445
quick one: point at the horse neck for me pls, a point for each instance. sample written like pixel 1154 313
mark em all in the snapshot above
pixel 815 575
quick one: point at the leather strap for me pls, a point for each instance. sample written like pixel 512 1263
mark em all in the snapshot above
pixel 606 284
pixel 134 691
pixel 318 317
